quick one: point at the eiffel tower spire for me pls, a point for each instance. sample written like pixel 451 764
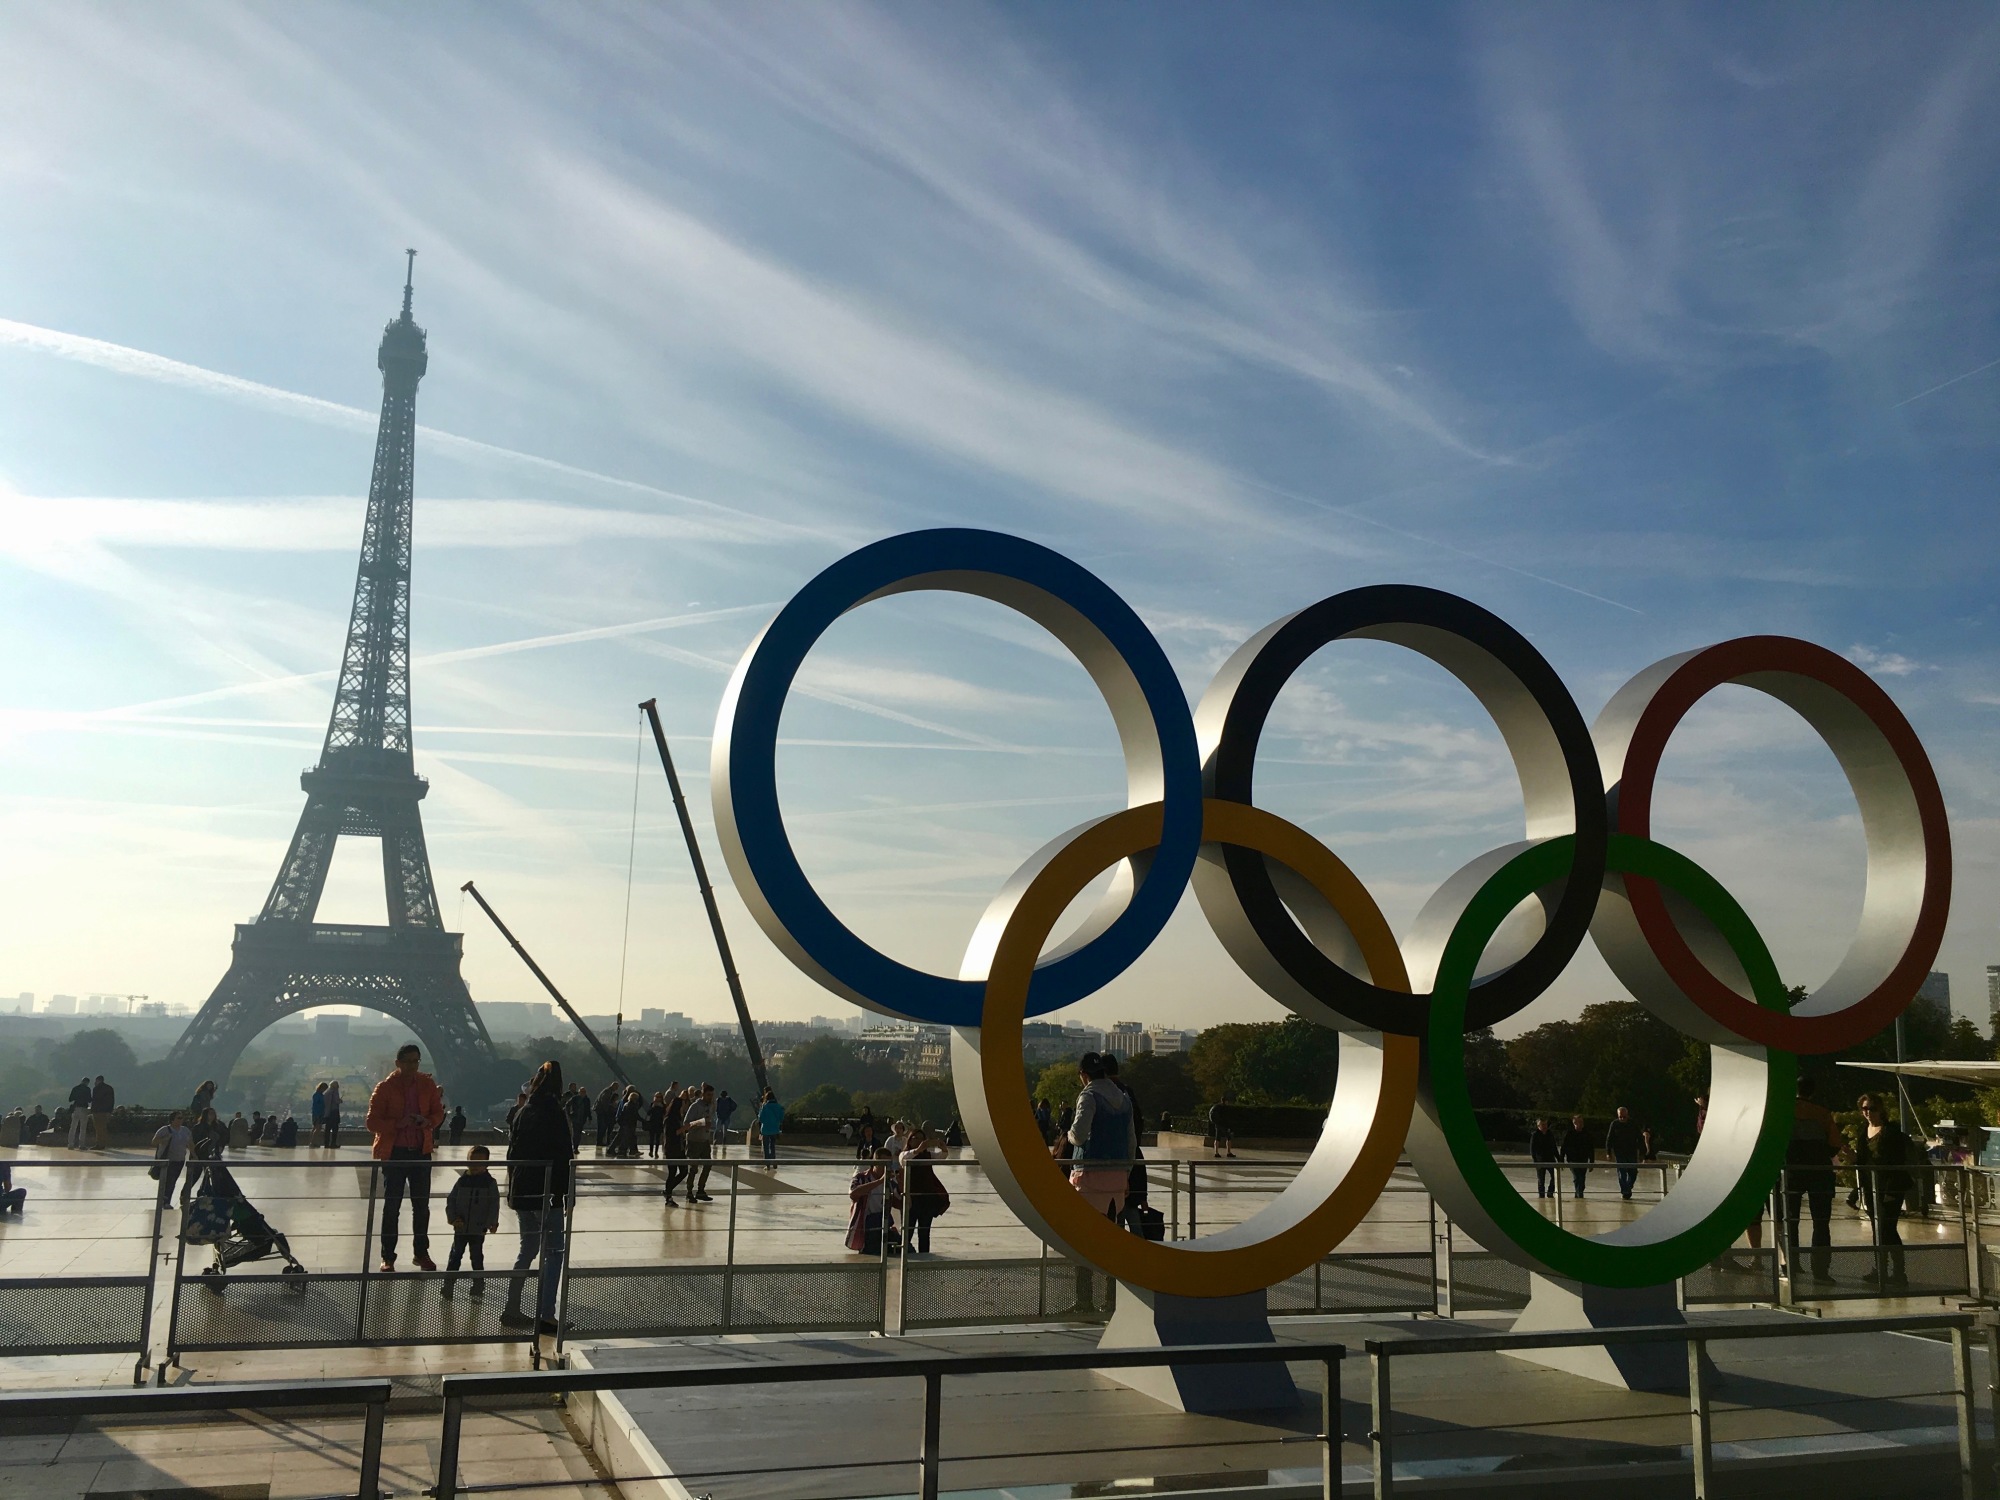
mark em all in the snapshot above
pixel 365 783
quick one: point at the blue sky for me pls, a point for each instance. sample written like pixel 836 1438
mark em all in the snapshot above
pixel 1642 326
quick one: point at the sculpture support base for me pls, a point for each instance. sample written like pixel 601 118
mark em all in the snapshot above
pixel 1153 1320
pixel 1555 1306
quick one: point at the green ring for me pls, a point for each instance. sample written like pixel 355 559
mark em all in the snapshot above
pixel 1573 1256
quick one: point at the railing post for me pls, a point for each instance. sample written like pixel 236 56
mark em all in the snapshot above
pixel 1698 1412
pixel 371 1449
pixel 729 1247
pixel 454 1417
pixel 569 1254
pixel 1383 1456
pixel 1784 1275
pixel 1329 1426
pixel 367 1240
pixel 1042 1283
pixel 1194 1211
pixel 927 1457
pixel 1174 1187
pixel 1968 1431
pixel 903 1279
pixel 1968 1220
pixel 882 1258
pixel 1437 1272
pixel 180 1270
pixel 146 1305
pixel 1450 1292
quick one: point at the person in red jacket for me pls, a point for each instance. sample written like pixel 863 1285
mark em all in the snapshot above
pixel 404 1113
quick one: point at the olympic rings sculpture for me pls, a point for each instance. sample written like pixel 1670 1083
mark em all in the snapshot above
pixel 1299 923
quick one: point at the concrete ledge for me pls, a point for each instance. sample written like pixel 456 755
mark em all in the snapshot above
pixel 620 1446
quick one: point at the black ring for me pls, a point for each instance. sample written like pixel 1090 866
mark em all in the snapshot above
pixel 1536 715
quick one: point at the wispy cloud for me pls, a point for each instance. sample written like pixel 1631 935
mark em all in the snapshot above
pixel 147 366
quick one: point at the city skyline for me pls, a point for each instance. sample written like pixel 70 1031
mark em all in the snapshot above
pixel 1099 301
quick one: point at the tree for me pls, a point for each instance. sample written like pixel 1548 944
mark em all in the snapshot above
pixel 827 1102
pixel 828 1059
pixel 1617 1053
pixel 88 1053
pixel 1164 1083
pixel 1056 1086
pixel 1291 1061
pixel 930 1102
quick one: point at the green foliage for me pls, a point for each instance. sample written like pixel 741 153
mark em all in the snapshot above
pixel 1163 1082
pixel 1488 1080
pixel 1056 1086
pixel 827 1102
pixel 829 1059
pixel 1616 1053
pixel 1963 1113
pixel 1279 1062
pixel 85 1054
pixel 930 1102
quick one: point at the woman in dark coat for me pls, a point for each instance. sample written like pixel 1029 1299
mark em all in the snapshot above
pixel 540 1148
pixel 631 1110
pixel 1883 1157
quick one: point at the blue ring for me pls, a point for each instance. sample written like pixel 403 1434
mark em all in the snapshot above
pixel 750 800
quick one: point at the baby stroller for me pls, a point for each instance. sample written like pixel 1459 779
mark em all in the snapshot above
pixel 219 1216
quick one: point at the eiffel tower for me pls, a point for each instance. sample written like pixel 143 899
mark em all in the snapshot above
pixel 365 783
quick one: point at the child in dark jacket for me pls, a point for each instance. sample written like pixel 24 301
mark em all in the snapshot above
pixel 474 1211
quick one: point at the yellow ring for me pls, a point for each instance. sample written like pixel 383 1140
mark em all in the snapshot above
pixel 1367 1122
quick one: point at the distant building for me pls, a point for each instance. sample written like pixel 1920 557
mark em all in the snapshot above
pixel 1127 1039
pixel 24 1003
pixel 1993 995
pixel 62 1005
pixel 665 1020
pixel 1165 1042
pixel 1935 992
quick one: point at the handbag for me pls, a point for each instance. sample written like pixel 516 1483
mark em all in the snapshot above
pixel 1148 1222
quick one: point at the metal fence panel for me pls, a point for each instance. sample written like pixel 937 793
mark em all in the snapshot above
pixel 335 1308
pixel 644 1301
pixel 73 1315
pixel 1484 1282
pixel 1385 1282
pixel 806 1299
pixel 1743 1276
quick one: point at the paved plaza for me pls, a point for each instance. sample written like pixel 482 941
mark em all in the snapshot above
pixel 92 1214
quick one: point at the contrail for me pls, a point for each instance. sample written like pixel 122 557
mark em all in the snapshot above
pixel 125 360
pixel 1431 541
pixel 436 658
pixel 1943 383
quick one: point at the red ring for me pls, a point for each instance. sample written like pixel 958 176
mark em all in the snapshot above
pixel 1734 662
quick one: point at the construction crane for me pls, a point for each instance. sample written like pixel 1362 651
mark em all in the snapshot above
pixel 610 1061
pixel 651 710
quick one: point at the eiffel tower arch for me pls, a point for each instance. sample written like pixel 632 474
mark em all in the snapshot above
pixel 365 783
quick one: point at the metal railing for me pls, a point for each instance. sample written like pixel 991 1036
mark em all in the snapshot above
pixel 932 1369
pixel 1696 1337
pixel 778 1268
pixel 40 1407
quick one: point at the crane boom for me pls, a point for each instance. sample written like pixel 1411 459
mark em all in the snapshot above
pixel 651 710
pixel 617 1068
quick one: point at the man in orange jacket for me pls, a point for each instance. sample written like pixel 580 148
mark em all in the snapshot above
pixel 404 1113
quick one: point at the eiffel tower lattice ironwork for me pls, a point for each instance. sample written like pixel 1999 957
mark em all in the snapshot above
pixel 365 783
